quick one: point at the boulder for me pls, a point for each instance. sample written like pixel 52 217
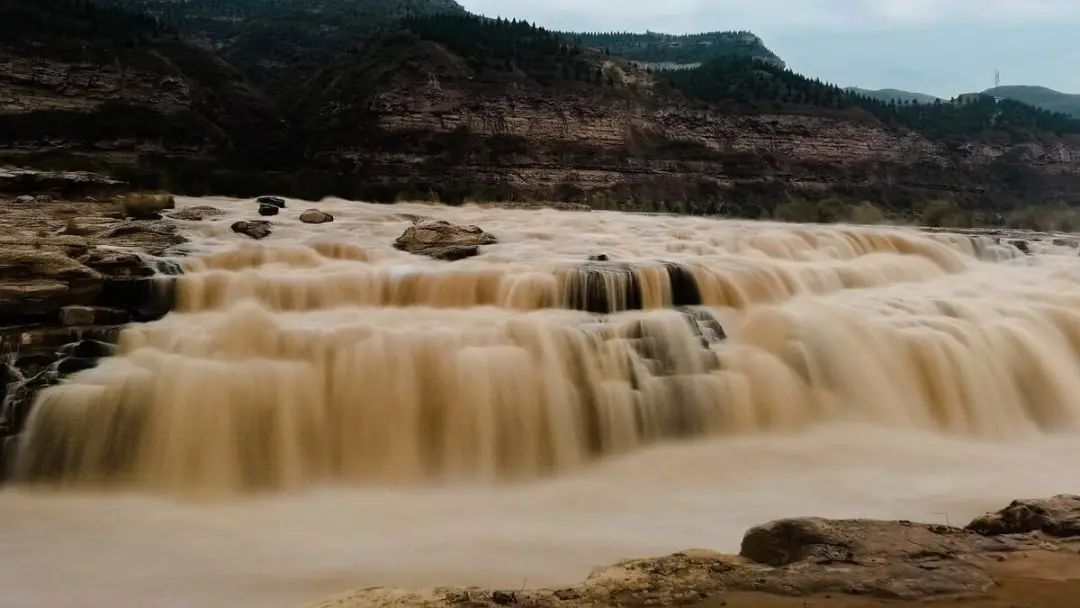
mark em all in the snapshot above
pixel 115 264
pixel 276 201
pixel 443 240
pixel 43 198
pixel 25 199
pixel 256 229
pixel 314 216
pixel 196 214
pixel 1058 516
pixel 266 210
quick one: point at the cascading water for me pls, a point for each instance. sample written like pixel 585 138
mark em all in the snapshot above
pixel 325 356
pixel 596 386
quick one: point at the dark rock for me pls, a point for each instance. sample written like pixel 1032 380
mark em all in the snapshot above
pixel 256 229
pixel 443 240
pixel 91 349
pixel 1022 246
pixel 275 201
pixel 453 252
pixel 314 216
pixel 504 598
pixel 74 365
pixel 1057 516
pixel 145 299
pixel 594 287
pixel 196 214
pixel 684 287
pixel 266 210
pixel 92 315
pixel 598 257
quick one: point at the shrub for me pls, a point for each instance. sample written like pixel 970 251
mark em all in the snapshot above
pixel 866 213
pixel 796 211
pixel 942 213
pixel 144 205
pixel 1044 219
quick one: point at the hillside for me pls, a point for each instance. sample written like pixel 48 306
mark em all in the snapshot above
pixel 897 95
pixel 265 37
pixel 448 105
pixel 1040 97
pixel 92 84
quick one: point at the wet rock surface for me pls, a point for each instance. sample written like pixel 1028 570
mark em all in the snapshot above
pixel 268 210
pixel 273 201
pixel 804 557
pixel 256 229
pixel 72 273
pixel 443 240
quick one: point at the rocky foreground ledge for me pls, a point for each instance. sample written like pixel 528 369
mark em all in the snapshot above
pixel 841 562
pixel 76 265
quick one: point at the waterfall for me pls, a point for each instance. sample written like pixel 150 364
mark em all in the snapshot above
pixel 323 355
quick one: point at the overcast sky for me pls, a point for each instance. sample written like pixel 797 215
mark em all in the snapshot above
pixel 941 47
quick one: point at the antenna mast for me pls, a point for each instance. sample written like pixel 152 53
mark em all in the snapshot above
pixel 997 78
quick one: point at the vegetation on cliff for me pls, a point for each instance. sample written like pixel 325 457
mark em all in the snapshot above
pixel 418 99
pixel 749 81
pixel 652 47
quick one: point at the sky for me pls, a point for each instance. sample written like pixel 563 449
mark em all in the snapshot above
pixel 939 47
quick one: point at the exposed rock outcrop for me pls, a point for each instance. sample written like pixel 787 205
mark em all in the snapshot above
pixel 795 557
pixel 268 210
pixel 37 283
pixel 443 240
pixel 1058 516
pixel 63 296
pixel 196 214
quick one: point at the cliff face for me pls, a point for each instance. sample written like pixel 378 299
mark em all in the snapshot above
pixel 454 124
pixel 72 86
pixel 402 116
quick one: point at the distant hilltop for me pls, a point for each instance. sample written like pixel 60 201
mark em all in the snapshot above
pixel 1040 97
